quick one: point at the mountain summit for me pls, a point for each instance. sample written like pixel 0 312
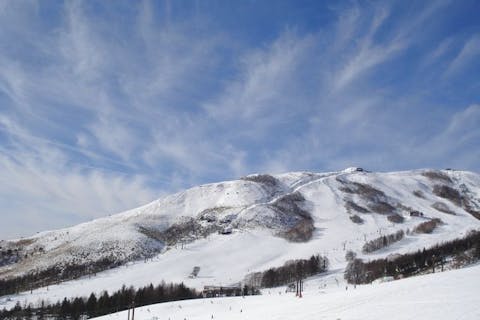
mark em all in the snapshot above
pixel 232 228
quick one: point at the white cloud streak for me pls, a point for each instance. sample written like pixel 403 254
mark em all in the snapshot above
pixel 98 118
pixel 469 52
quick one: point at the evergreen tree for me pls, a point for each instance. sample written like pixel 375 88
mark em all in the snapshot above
pixel 91 304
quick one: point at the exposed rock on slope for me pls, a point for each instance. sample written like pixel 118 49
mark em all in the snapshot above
pixel 300 207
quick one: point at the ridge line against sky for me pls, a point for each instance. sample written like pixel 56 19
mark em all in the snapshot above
pixel 105 106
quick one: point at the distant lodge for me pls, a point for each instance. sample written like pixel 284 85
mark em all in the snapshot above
pixel 220 291
pixel 416 213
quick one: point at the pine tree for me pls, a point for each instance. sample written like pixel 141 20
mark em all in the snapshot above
pixel 91 305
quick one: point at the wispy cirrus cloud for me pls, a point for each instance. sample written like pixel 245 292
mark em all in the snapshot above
pixel 469 52
pixel 105 107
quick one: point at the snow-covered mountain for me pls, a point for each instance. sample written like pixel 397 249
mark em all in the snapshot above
pixel 232 228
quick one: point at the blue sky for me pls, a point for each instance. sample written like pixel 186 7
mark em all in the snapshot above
pixel 106 105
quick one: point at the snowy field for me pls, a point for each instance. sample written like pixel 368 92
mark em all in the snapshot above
pixel 439 296
pixel 226 259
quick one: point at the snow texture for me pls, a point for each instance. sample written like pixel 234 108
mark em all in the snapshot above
pixel 440 296
pixel 250 208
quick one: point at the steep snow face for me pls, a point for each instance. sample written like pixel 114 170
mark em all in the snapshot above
pixel 145 231
pixel 121 235
pixel 267 220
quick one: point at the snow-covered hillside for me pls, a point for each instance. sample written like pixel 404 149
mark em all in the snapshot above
pixel 230 229
pixel 440 296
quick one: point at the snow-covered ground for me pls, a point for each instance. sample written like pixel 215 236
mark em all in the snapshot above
pixel 440 296
pixel 225 259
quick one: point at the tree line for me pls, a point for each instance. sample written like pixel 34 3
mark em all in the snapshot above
pixel 54 275
pixel 382 242
pixel 405 265
pixel 427 226
pixel 105 303
pixel 290 272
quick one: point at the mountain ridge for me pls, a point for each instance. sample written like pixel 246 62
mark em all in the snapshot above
pixel 291 215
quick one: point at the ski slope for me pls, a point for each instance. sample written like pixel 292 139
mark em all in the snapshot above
pixel 440 296
pixel 254 244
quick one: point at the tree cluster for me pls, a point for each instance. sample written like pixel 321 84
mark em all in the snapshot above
pixel 405 265
pixel 449 193
pixel 93 306
pixel 54 275
pixel 8 256
pixel 382 242
pixel 290 272
pixel 356 219
pixel 395 218
pixel 265 179
pixel 427 226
